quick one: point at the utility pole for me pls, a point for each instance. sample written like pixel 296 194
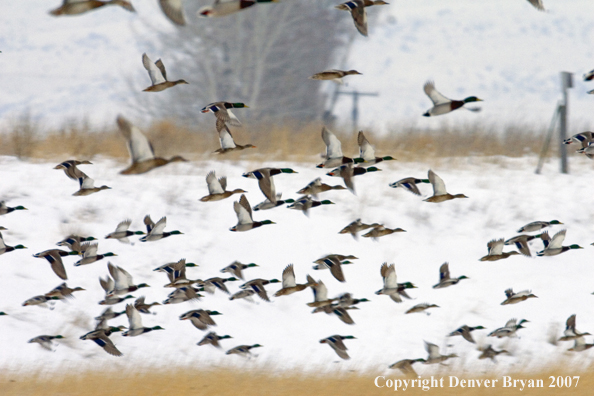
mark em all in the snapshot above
pixel 566 83
pixel 355 112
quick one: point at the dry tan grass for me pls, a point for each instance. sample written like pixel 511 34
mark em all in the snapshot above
pixel 197 381
pixel 274 142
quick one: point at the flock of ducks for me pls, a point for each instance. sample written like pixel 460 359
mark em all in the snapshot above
pixel 119 283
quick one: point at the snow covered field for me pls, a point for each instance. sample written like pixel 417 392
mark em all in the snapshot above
pixel 504 195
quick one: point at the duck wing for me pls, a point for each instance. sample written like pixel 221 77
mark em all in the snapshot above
pixel 133 317
pixel 439 187
pixel 214 185
pixel 289 277
pixel 159 226
pixel 557 241
pixel 335 268
pixel 155 73
pixel 444 272
pixel 537 4
pixel 243 210
pixel 434 95
pixel 225 137
pixel 139 147
pixel 123 226
pixel 495 247
pixel 333 145
pixel 359 17
pixel 366 151
pixel 173 10
pixel 389 274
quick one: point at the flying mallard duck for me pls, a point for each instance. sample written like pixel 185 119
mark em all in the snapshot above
pixel 123 282
pixel 217 188
pixel 63 291
pixel 367 153
pixel 247 294
pixel 200 318
pixel 537 4
pixel 570 332
pixel 90 254
pixel 305 203
pixel 265 181
pixel 340 312
pixel 100 336
pixel 316 187
pixel 243 350
pixel 333 263
pixel 6 249
pixel 45 341
pixel 211 284
pixel 444 277
pixel 266 204
pixel 176 273
pixel 333 155
pixel 136 328
pixel 143 307
pixel 336 343
pixel 158 75
pixel 290 286
pixel 405 366
pixel 357 10
pixel 228 143
pixel 380 231
pixel 87 187
pixel 70 168
pixel 538 225
pixel 244 216
pixel 170 268
pixel 357 226
pixel 333 75
pixel 391 286
pixel 434 355
pixel 589 76
pixel 5 209
pixel 42 301
pixel 487 352
pixel 421 308
pixel 257 285
pixel 225 7
pixel 74 242
pixel 580 345
pixel 495 248
pixel 76 7
pixel 108 314
pixel 182 294
pixel 320 293
pixel 509 330
pixel 589 151
pixel 582 138
pixel 154 231
pixel 555 246
pixel 141 150
pixel 443 105
pixel 173 9
pixel 122 233
pixel 236 268
pixel 464 331
pixel 348 171
pixel 213 339
pixel 222 110
pixel 409 184
pixel 521 242
pixel 439 190
pixel 514 298
pixel 54 257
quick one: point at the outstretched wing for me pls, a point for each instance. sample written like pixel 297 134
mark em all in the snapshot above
pixel 155 73
pixel 138 145
pixel 434 95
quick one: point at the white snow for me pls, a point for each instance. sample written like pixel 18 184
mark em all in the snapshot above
pixel 504 195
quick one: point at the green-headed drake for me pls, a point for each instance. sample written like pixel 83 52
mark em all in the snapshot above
pixel 266 204
pixel 5 249
pixel 136 328
pixel 243 350
pixel 182 294
pixel 538 225
pixel 108 314
pixel 465 332
pixel 54 257
pixel 74 242
pixel 257 285
pixel 405 366
pixel 265 181
pixel 336 343
pixel 421 308
pixel 122 232
pixel 217 188
pixel 211 284
pixel 212 339
pixel 346 300
pixel 348 171
pixel 570 332
pixel 141 150
pixel 367 153
pixel 487 352
pixel 439 190
pixel 514 298
pixel 100 336
pixel 76 7
pixel 143 307
pixel 555 246
pixel 158 75
pixel 316 187
pixel 391 286
pixel 45 341
pixel 155 231
pixel 223 8
pixel 223 113
pixel 495 251
pixel 334 264
pixel 357 226
pixel 410 184
pixel 334 75
pixel 444 277
pixel 509 330
pixel 200 318
pixel 340 312
pixel 123 283
pixel 170 268
pixel 305 203
pixel 290 286
pixel 108 284
pixel 228 143
pixel 434 355
pixel 236 268
pixel 443 105
pixel 5 209
pixel 90 255
pixel 245 221
pixel 380 230
pixel 357 10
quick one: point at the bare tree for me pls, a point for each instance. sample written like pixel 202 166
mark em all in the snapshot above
pixel 261 56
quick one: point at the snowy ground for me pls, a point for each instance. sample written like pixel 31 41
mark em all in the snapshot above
pixel 504 51
pixel 504 195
